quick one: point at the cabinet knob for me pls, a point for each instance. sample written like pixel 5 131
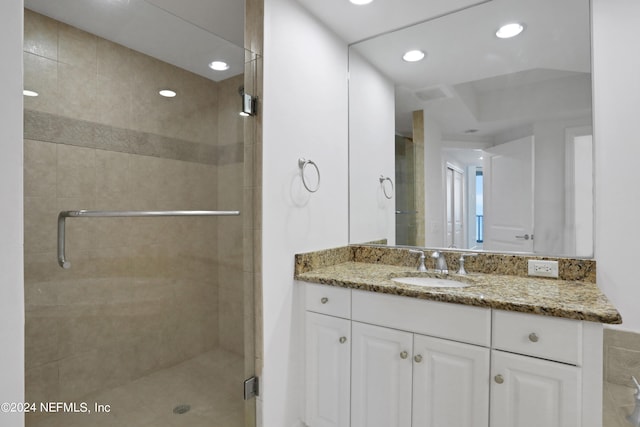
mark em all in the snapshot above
pixel 499 379
pixel 324 300
pixel 417 358
pixel 343 340
pixel 404 355
pixel 533 337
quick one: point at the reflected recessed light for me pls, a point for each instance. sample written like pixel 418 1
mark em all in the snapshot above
pixel 29 93
pixel 218 65
pixel 509 30
pixel 167 93
pixel 360 2
pixel 413 56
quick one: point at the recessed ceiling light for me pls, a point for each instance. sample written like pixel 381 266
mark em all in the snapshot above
pixel 218 65
pixel 509 30
pixel 360 2
pixel 167 93
pixel 29 93
pixel 413 56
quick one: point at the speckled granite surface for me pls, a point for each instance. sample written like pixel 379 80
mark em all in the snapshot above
pixel 371 268
pixel 488 263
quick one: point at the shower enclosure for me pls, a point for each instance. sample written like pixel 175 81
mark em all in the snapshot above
pixel 152 324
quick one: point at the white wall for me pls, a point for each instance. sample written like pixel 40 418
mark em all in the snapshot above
pixel 616 66
pixel 582 196
pixel 305 115
pixel 11 238
pixel 549 185
pixel 372 152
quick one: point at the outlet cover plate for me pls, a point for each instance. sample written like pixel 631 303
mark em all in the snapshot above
pixel 543 268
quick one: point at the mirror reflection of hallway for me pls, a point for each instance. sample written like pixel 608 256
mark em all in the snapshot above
pixel 454 219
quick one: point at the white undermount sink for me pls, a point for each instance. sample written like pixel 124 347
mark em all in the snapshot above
pixel 431 282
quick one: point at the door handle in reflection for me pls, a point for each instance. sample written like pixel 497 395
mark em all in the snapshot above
pixel 525 237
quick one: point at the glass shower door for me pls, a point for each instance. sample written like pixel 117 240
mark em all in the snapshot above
pixel 152 325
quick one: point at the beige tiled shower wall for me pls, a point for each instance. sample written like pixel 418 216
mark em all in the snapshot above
pixel 230 233
pixel 621 362
pixel 142 293
pixel 85 77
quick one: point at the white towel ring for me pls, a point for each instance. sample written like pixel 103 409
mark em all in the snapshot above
pixel 384 187
pixel 302 164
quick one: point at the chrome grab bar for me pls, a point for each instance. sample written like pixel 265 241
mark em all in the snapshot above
pixel 62 216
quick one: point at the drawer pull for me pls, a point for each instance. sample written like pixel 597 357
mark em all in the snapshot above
pixel 324 300
pixel 417 358
pixel 499 379
pixel 533 337
pixel 343 340
pixel 404 355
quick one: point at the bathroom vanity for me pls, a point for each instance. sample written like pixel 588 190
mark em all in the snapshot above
pixel 504 351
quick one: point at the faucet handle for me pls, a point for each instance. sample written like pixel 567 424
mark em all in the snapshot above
pixel 421 267
pixel 462 270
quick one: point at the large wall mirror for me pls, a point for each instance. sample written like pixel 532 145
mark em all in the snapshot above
pixel 483 144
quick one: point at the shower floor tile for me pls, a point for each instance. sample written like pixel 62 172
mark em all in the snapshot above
pixel 210 384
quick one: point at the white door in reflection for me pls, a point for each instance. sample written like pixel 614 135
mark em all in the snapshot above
pixel 508 196
pixel 455 208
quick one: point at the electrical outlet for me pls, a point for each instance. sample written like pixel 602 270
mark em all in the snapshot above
pixel 543 268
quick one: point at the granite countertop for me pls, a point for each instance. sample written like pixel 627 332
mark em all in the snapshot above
pixel 572 299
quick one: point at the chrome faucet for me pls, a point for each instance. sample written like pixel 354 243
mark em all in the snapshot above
pixel 421 267
pixel 441 262
pixel 634 418
pixel 461 270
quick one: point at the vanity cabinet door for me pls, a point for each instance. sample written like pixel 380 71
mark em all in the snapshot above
pixel 328 354
pixel 530 392
pixel 450 383
pixel 381 364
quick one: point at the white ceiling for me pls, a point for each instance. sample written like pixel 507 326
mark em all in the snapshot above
pixel 356 23
pixel 462 47
pixel 225 18
pixel 180 33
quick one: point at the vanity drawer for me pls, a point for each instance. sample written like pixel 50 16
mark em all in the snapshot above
pixel 437 319
pixel 549 338
pixel 329 300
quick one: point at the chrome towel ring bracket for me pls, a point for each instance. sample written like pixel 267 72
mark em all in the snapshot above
pixel 302 164
pixel 387 194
